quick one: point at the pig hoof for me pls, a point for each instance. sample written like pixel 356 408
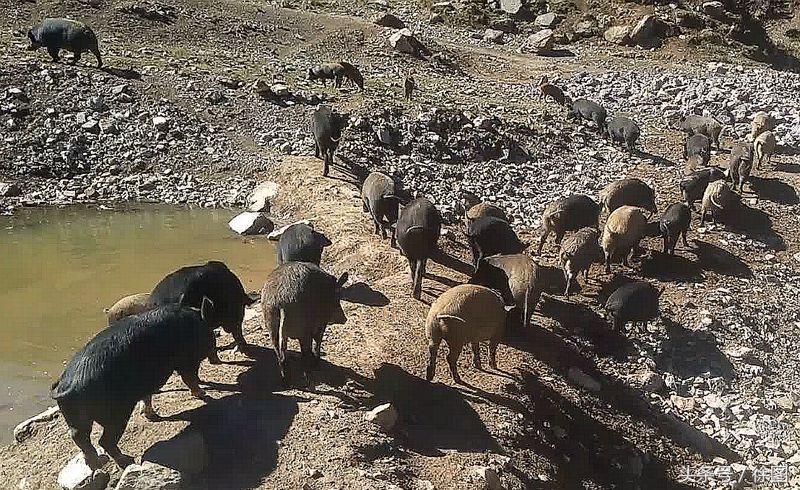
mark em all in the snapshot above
pixel 97 462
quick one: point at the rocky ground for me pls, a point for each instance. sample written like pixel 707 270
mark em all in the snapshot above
pixel 705 396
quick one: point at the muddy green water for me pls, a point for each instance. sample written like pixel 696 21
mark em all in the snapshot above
pixel 60 267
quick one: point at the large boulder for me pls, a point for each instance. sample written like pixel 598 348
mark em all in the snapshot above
pixel 405 42
pixel 512 7
pixel 78 475
pixel 23 430
pixel 9 189
pixel 259 200
pixel 186 453
pixel 150 476
pixel 386 19
pixel 249 223
pixel 542 41
pixel 650 30
pixel 618 34
pixel 549 20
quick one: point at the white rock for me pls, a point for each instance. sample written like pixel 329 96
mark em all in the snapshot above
pixel 493 35
pixel 405 42
pixel 549 19
pixel 23 430
pixel 617 34
pixel 78 475
pixel 149 476
pixel 383 415
pixel 279 89
pixel 259 199
pixel 490 478
pixel 187 452
pixel 161 123
pixel 582 379
pixel 541 41
pixel 276 234
pixel 249 223
pixel 511 6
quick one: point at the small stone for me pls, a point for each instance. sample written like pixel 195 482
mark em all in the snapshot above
pixel 584 380
pixel 161 124
pixel 24 429
pixel 785 403
pixel 436 19
pixel 549 20
pixel 490 477
pixel 150 476
pixel 279 89
pixel 512 7
pixel 493 35
pixel 715 10
pixel 91 126
pixel 78 475
pixel 314 473
pixel 385 416
pixel 682 403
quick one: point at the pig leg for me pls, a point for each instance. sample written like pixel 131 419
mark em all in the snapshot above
pixel 393 242
pixel 666 244
pixel 493 342
pixel 327 160
pixel 567 277
pixel 147 408
pixel 317 151
pixel 80 429
pixel 76 56
pixel 542 239
pixel 192 381
pixel 452 359
pixel 53 52
pixel 320 333
pixel 213 357
pixel 476 356
pixel 433 350
pixel 275 318
pixel 419 273
pixel 307 355
pixel 559 236
pixel 608 262
pixel 112 432
pixel 96 53
pixel 683 235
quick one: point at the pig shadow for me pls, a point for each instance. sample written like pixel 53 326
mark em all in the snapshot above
pixel 362 293
pixel 557 53
pixel 127 74
pixel 241 430
pixel 432 416
pixel 689 353
pixel 577 320
pixel 715 259
pixel 435 416
pixel 755 224
pixel 774 190
pixel 671 268
pixel 452 262
pixel 583 449
pixel 654 159
pixel 554 282
pixel 789 168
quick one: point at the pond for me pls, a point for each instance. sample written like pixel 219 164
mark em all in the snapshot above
pixel 59 267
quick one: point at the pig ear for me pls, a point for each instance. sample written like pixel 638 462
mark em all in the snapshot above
pixel 342 279
pixel 325 241
pixel 206 308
